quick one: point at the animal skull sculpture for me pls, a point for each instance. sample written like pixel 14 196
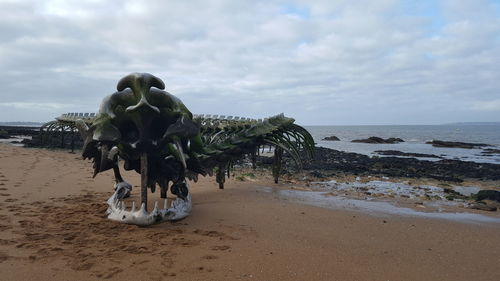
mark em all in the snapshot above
pixel 155 135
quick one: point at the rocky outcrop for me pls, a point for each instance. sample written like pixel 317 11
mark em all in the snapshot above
pixel 451 194
pixel 455 144
pixel 379 140
pixel 407 154
pixel 331 138
pixel 20 131
pixel 4 134
pixel 486 200
pixel 485 205
pixel 490 152
pixel 330 161
pixel 487 195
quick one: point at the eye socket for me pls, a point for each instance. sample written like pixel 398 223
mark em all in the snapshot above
pixel 129 131
pixel 159 126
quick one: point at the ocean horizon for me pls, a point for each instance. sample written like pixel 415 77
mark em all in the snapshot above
pixel 415 138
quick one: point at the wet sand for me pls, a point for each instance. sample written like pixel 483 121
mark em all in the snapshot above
pixel 52 227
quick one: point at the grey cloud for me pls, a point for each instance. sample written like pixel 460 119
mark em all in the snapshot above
pixel 342 62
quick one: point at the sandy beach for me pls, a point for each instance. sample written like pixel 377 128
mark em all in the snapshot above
pixel 53 227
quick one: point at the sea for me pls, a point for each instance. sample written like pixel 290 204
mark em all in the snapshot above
pixel 415 138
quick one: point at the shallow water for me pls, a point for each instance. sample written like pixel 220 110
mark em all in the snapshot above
pixel 325 200
pixel 382 188
pixel 15 138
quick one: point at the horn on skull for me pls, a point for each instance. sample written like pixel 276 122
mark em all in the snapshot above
pixel 136 80
pixel 140 84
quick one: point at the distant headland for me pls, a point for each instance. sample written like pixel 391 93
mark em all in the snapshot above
pixel 473 123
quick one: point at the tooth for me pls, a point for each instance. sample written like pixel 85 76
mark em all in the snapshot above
pixel 112 153
pixel 117 211
pixel 165 204
pixel 181 154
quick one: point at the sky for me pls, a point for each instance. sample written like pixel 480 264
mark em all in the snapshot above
pixel 322 62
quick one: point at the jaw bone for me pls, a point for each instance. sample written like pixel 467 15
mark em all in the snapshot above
pixel 117 211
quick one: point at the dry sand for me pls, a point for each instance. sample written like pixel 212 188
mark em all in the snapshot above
pixel 52 227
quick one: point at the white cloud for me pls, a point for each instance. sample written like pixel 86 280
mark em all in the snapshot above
pixel 324 62
pixel 34 106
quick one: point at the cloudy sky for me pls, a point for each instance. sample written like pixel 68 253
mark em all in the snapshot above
pixel 321 62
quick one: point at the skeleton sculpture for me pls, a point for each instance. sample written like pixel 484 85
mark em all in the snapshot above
pixel 156 135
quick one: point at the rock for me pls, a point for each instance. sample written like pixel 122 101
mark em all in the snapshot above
pixel 379 140
pixel 491 203
pixel 394 140
pixel 483 206
pixel 4 134
pixel 317 174
pixel 331 138
pixel 486 200
pixel 409 154
pixel 330 160
pixel 265 160
pixel 452 194
pixel 487 195
pixel 490 151
pixel 454 144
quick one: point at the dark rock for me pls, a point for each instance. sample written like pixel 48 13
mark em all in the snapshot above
pixel 490 151
pixel 483 206
pixel 452 194
pixel 454 144
pixel 491 203
pixel 379 140
pixel 265 160
pixel 409 154
pixel 4 134
pixel 20 130
pixel 331 160
pixel 487 195
pixel 331 138
pixel 394 140
pixel 317 174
